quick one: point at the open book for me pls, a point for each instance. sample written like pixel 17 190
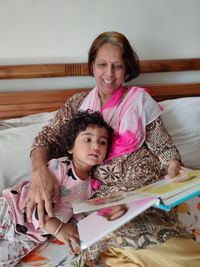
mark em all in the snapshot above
pixel 109 213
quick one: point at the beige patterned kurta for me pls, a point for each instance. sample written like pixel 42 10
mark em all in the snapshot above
pixel 125 173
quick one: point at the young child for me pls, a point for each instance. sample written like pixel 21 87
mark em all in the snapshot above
pixel 88 139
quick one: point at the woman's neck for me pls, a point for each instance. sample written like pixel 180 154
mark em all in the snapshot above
pixel 104 99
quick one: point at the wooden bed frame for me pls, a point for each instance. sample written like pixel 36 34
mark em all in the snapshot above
pixel 16 104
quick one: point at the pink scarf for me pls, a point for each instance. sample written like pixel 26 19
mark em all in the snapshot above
pixel 128 116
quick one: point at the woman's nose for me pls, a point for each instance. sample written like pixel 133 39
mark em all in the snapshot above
pixel 109 70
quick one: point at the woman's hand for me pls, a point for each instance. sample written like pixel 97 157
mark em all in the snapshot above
pixel 69 235
pixel 44 190
pixel 174 168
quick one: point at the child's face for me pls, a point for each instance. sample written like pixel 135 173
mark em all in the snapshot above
pixel 90 146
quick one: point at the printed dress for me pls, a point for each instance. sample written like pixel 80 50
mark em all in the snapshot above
pixel 17 236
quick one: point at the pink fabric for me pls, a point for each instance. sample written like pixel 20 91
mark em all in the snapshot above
pixel 128 111
pixel 95 184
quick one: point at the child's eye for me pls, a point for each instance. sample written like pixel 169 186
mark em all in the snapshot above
pixel 87 140
pixel 102 142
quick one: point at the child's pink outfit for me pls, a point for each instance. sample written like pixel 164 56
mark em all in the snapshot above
pixel 17 236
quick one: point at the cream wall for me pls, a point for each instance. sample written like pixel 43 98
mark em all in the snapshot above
pixel 48 31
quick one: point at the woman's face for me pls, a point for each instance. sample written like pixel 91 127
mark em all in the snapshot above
pixel 109 69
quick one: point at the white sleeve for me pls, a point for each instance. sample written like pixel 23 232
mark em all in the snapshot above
pixel 151 108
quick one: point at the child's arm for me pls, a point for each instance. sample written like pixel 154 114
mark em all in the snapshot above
pixel 64 232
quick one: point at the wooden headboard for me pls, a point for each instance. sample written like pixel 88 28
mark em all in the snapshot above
pixel 16 104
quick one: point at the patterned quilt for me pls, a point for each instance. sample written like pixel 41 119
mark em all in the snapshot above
pixel 54 253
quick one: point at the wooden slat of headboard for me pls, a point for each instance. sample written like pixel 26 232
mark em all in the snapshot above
pixel 169 65
pixel 32 71
pixel 81 69
pixel 16 104
pixel 37 96
pixel 18 110
pixel 170 91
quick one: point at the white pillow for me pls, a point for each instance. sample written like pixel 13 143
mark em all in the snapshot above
pixel 27 120
pixel 15 145
pixel 182 119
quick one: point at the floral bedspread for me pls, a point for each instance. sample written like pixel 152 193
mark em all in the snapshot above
pixel 55 254
pixel 189 214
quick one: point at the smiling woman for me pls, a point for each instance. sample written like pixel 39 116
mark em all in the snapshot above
pixel 112 61
pixel 109 70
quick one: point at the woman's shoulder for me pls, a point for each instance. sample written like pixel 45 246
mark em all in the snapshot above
pixel 69 108
pixel 136 92
pixel 75 101
pixel 78 97
pixel 139 89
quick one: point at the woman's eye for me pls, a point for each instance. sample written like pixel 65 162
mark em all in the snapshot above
pixel 101 65
pixel 87 140
pixel 118 67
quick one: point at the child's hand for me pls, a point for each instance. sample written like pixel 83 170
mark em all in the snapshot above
pixel 69 235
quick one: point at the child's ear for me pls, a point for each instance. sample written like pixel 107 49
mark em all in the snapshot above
pixel 70 151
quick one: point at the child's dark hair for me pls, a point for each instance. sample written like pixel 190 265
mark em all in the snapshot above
pixel 79 123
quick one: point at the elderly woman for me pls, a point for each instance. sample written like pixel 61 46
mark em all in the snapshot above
pixel 142 152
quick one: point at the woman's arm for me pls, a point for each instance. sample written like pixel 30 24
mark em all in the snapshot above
pixel 44 187
pixel 49 137
pixel 161 145
pixel 48 145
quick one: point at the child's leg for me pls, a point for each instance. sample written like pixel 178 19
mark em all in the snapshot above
pixel 13 246
pixel 11 252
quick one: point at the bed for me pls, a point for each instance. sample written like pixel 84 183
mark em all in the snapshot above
pixel 24 113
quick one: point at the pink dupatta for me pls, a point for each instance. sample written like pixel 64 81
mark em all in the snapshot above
pixel 128 115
